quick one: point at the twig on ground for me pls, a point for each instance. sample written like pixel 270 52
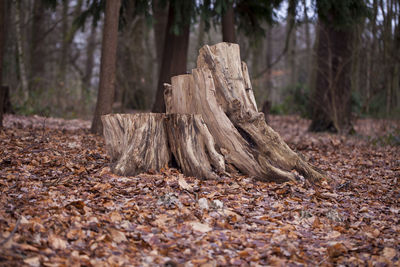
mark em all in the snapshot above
pixel 12 232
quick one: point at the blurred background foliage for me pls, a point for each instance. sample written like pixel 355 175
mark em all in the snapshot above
pixel 52 52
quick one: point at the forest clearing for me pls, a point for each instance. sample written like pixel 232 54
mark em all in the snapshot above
pixel 61 205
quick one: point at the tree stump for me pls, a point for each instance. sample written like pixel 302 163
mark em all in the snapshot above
pixel 193 146
pixel 213 126
pixel 136 142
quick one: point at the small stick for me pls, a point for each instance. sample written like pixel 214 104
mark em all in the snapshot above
pixel 12 233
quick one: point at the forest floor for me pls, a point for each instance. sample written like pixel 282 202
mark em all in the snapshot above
pixel 61 206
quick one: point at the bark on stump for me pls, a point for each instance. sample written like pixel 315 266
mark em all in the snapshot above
pixel 136 142
pixel 212 124
pixel 193 146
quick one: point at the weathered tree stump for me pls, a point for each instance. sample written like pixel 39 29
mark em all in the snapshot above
pixel 212 124
pixel 136 142
pixel 193 146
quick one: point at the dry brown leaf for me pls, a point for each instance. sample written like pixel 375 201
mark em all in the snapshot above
pixel 333 235
pixel 228 212
pixel 389 253
pixel 200 227
pixel 117 236
pixel 115 216
pixel 336 250
pixel 34 261
pixel 183 184
pixel 316 223
pixel 56 242
pixel 28 247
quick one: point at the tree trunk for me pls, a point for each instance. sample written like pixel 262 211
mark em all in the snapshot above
pixel 129 138
pixel 356 57
pixel 269 55
pixel 161 17
pixel 89 63
pixel 212 124
pixel 228 24
pixel 68 34
pixel 201 33
pixel 292 40
pixel 396 75
pixel 2 46
pixel 108 65
pixel 387 50
pixel 370 82
pixel 309 55
pixel 332 95
pixel 174 56
pixel 37 52
pixel 20 49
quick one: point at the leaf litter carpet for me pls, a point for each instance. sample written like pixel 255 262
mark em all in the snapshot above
pixel 61 206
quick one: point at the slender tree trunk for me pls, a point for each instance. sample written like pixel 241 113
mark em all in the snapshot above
pixel 200 38
pixel 228 24
pixel 396 78
pixel 108 65
pixel 266 106
pixel 291 35
pixel 161 17
pixel 65 46
pixel 2 46
pixel 292 58
pixel 308 42
pixel 20 49
pixel 269 56
pixel 90 48
pixel 37 53
pixel 371 76
pixel 356 53
pixel 68 34
pixel 174 56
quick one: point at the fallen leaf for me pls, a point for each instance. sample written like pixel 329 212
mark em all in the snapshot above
pixel 389 253
pixel 333 235
pixel 229 212
pixel 56 242
pixel 182 183
pixel 200 227
pixel 336 250
pixel 115 216
pixel 24 220
pixel 316 223
pixel 217 204
pixel 203 203
pixel 34 261
pixel 117 236
pixel 28 247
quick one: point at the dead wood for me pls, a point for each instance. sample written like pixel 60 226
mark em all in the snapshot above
pixel 212 126
pixel 220 90
pixel 136 142
pixel 193 146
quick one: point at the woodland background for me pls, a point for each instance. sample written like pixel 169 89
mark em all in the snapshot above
pixel 52 52
pixel 335 63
